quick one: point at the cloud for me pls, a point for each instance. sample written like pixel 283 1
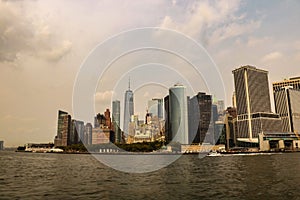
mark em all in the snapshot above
pixel 233 30
pixel 17 119
pixel 21 33
pixel 273 56
pixel 212 21
pixel 254 41
pixel 104 97
pixel 57 53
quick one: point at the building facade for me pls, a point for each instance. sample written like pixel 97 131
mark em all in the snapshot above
pixel 178 109
pixel 63 129
pixel 128 109
pixel 167 127
pixel 200 114
pixel 116 120
pixel 287 104
pixel 155 106
pixel 293 82
pixel 253 103
pixel 88 134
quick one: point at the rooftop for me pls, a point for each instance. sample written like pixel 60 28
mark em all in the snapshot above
pixel 249 67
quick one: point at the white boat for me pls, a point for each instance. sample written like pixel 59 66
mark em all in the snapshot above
pixel 214 153
pixel 56 150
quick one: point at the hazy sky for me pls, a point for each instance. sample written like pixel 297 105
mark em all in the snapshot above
pixel 44 43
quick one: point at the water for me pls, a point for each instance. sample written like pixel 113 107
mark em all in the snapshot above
pixel 61 176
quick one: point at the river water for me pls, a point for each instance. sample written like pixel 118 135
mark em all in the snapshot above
pixel 81 176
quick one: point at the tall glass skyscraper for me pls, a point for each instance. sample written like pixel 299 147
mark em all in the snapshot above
pixel 253 103
pixel 116 120
pixel 128 108
pixel 178 109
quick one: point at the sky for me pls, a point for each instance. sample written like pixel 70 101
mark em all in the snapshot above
pixel 44 44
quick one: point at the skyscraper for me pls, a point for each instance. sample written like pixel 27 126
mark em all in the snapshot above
pixel 287 104
pixel 116 120
pixel 88 134
pixel 168 133
pixel 200 109
pixel 155 107
pixel 253 103
pixel 128 108
pixel 63 129
pixel 178 109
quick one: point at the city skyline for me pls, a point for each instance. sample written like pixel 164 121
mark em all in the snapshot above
pixel 38 69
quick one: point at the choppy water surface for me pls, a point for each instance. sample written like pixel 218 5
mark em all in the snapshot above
pixel 62 176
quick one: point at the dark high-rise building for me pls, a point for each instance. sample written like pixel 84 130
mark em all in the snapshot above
pixel 100 120
pixel 128 109
pixel 1 145
pixel 63 129
pixel 73 133
pixel 230 127
pixel 253 103
pixel 287 104
pixel 200 109
pixel 80 131
pixel 116 120
pixel 76 132
pixel 88 134
pixel 168 131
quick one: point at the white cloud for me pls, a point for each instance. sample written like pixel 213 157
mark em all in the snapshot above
pixel 212 21
pixel 273 56
pixel 57 53
pixel 233 30
pixel 21 33
pixel 255 41
pixel 104 97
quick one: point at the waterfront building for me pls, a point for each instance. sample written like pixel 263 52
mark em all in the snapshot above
pixel 293 82
pixel 167 131
pixel 63 129
pixel 116 120
pixel 279 141
pixel 39 147
pixel 200 113
pixel 178 110
pixel 88 134
pixel 148 132
pixel 128 108
pixel 108 123
pixel 155 107
pixel 96 122
pixel 253 104
pixel 102 136
pixel 76 132
pixel 287 104
pixel 230 127
pixel 1 145
pixel 100 120
pixel 211 134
